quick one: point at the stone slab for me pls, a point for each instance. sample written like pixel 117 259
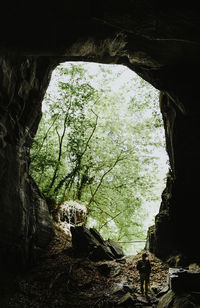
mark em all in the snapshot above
pixel 181 279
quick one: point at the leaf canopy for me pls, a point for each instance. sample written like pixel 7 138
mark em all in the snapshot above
pixel 98 146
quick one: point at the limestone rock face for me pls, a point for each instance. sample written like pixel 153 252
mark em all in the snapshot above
pixel 24 219
pixel 177 221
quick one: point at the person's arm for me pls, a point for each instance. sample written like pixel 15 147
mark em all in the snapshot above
pixel 138 266
pixel 149 266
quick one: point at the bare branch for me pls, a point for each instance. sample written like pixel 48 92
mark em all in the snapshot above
pixel 99 207
pixel 113 218
pixel 101 180
pixel 91 135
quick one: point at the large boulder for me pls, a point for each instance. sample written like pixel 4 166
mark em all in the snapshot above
pixel 184 290
pixel 183 300
pixel 181 279
pixel 44 230
pixel 115 248
pixel 89 242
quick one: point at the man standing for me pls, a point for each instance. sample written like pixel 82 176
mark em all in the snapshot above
pixel 144 268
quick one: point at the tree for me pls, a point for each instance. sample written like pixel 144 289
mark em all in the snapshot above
pixel 63 135
pixel 95 146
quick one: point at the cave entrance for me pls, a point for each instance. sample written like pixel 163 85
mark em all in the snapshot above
pixel 99 153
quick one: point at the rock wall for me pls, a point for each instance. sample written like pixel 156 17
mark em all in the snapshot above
pixel 25 226
pixel 177 224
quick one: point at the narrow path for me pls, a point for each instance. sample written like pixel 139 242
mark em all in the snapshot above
pixel 61 280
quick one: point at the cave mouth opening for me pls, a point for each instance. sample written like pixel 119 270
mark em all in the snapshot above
pixel 99 152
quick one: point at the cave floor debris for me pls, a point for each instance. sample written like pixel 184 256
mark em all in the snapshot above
pixel 61 280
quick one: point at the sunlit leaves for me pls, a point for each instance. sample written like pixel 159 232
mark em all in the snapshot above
pixel 96 143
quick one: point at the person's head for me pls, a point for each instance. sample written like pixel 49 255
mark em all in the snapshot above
pixel 144 255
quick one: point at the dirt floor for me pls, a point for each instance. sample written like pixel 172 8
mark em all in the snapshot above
pixel 61 280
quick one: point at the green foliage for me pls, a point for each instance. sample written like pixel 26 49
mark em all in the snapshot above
pixel 96 146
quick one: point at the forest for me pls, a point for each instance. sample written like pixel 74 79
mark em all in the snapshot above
pixel 101 144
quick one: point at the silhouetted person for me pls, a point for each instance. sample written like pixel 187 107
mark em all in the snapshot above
pixel 144 268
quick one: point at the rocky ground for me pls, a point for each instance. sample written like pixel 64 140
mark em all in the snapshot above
pixel 60 279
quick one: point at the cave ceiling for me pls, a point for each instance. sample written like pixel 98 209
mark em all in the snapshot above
pixel 158 43
pixel 153 36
